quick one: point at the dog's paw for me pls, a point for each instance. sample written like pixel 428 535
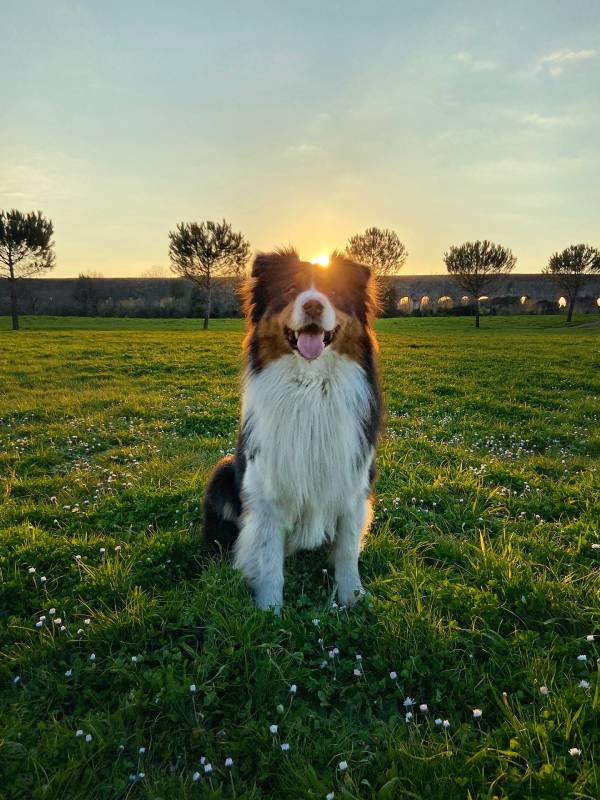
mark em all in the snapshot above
pixel 268 601
pixel 349 596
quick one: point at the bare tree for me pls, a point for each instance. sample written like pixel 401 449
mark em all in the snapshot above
pixel 26 248
pixel 155 271
pixel 571 269
pixel 380 249
pixel 475 266
pixel 201 252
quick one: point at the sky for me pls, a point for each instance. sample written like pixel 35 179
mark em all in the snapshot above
pixel 302 123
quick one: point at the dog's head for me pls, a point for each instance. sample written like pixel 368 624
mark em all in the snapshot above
pixel 296 307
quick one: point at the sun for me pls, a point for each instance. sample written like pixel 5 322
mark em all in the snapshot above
pixel 322 260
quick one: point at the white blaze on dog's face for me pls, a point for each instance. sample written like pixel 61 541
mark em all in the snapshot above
pixel 313 319
pixel 296 307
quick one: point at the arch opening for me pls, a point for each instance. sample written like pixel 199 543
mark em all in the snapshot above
pixel 425 303
pixel 445 303
pixel 405 305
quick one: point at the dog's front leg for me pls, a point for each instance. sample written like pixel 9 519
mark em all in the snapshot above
pixel 352 524
pixel 259 554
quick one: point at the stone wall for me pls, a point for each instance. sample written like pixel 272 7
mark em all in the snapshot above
pixel 173 297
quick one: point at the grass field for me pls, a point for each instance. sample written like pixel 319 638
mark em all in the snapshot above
pixel 482 571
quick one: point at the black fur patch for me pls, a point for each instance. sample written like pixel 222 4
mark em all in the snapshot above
pixel 222 506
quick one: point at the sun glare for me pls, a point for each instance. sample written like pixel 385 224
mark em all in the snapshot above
pixel 322 260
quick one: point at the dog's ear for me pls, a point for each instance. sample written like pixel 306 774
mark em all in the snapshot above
pixel 360 272
pixel 265 263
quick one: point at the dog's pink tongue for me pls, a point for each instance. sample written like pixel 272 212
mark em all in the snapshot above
pixel 310 345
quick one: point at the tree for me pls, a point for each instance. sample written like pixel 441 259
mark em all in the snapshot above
pixel 205 251
pixel 379 249
pixel 475 266
pixel 87 292
pixel 155 271
pixel 571 269
pixel 26 248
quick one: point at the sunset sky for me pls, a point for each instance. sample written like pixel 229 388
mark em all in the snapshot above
pixel 302 123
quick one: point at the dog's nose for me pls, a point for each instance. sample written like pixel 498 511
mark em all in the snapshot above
pixel 314 308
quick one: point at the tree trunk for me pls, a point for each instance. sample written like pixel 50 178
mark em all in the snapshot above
pixel 571 307
pixel 207 307
pixel 14 307
pixel 477 314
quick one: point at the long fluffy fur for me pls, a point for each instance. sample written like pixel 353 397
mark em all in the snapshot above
pixel 304 464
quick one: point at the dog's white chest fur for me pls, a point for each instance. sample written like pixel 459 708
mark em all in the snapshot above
pixel 305 443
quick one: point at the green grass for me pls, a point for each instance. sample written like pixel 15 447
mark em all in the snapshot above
pixel 482 570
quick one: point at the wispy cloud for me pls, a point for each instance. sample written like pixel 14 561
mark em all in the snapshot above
pixel 477 64
pixel 554 63
pixel 303 150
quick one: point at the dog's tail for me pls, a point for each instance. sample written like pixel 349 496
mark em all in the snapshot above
pixel 222 506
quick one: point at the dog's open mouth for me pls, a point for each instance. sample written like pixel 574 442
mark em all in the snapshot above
pixel 310 341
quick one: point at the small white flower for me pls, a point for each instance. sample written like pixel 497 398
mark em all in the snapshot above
pixel 31 570
pixel 336 651
pixel 330 796
pixel 77 558
pixel 193 688
pixel 544 690
pixel 52 611
pixel 43 618
pixel 293 689
pixel 117 548
pixel 203 759
pixel 79 732
pixel 393 675
pixel 43 579
pixel 87 621
pixel 323 664
pixel 68 673
pixel 358 657
pixel 229 762
pixel 408 716
pixel 208 768
pixel 424 708
pixel 438 721
pixel 596 546
pixel 409 702
pixel 316 622
pixel 446 723
pixel 357 673
pixel 331 654
pixel 141 775
pixel 79 631
pixel 57 620
pixel 584 684
pixel 273 729
pixel 17 679
pixel 477 713
pixel 285 747
pixel 142 750
pixel 93 657
pixel 582 657
pixel 590 637
pixel 279 708
pixel 574 751
pixel 196 776
pixel 103 549
pixel 342 766
pixel 88 737
pixel 63 628
pixel 39 623
pixel 134 659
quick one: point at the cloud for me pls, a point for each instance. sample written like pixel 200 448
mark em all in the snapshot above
pixel 303 150
pixel 554 63
pixel 477 64
pixel 546 121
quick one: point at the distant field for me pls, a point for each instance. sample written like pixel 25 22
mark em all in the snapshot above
pixel 483 572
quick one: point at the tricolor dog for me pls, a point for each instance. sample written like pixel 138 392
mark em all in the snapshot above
pixel 303 469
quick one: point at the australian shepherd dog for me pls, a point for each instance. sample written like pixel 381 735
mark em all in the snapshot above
pixel 304 466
